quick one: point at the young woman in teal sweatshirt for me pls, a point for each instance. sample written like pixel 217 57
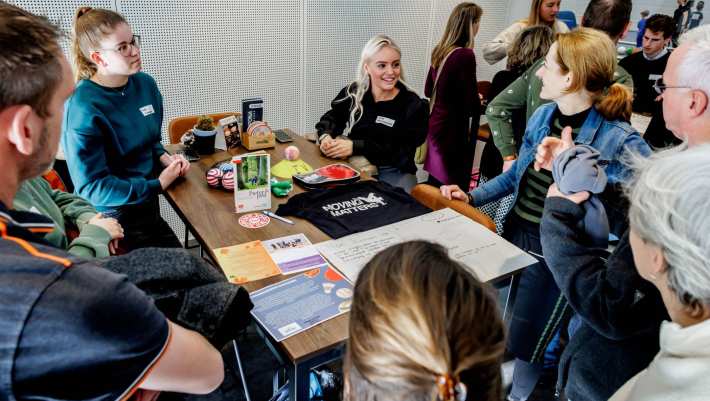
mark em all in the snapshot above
pixel 111 132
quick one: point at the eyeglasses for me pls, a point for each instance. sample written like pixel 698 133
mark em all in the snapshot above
pixel 125 49
pixel 660 87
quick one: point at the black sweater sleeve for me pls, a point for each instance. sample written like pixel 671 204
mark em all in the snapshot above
pixel 609 295
pixel 334 120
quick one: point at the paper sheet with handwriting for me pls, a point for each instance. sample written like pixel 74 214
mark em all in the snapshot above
pixel 485 253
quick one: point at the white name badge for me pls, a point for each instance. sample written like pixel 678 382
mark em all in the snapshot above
pixel 385 121
pixel 147 110
pixel 654 77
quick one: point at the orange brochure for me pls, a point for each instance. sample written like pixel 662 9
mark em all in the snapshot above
pixel 246 262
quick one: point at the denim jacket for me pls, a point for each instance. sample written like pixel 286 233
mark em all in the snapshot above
pixel 614 140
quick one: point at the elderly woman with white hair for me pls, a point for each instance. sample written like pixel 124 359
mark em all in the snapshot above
pixel 670 222
pixel 377 116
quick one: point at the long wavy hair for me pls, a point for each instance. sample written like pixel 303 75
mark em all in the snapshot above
pixel 356 90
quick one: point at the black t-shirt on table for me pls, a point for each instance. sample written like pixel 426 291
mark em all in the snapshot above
pixel 353 208
pixel 388 132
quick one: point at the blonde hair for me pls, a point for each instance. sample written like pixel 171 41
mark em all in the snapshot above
pixel 417 317
pixel 457 32
pixel 530 45
pixel 91 25
pixel 590 56
pixel 534 16
pixel 356 90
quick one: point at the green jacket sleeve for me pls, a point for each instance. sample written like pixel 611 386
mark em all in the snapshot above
pixel 499 112
pixel 92 242
pixel 75 209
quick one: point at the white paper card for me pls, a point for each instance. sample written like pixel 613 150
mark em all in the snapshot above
pixel 483 252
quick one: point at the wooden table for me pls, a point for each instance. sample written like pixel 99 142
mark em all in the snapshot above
pixel 210 215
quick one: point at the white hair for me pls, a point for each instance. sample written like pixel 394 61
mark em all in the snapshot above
pixel 670 208
pixel 357 89
pixel 694 69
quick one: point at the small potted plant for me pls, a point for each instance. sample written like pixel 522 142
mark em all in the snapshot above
pixel 205 134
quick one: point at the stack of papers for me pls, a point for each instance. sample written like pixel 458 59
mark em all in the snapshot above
pixel 258 260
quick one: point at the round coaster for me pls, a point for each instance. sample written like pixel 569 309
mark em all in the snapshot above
pixel 254 220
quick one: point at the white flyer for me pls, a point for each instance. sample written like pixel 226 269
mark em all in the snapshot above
pixel 487 255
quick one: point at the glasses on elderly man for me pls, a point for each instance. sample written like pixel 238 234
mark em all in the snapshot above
pixel 660 87
pixel 125 49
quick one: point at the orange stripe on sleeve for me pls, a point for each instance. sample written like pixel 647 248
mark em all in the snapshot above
pixel 41 230
pixel 32 250
pixel 146 373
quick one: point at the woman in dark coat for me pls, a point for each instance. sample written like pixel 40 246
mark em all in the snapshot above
pixel 452 87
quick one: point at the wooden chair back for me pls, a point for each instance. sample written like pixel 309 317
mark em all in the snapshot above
pixel 484 87
pixel 179 125
pixel 432 198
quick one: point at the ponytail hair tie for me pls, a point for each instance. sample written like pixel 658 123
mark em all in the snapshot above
pixel 451 388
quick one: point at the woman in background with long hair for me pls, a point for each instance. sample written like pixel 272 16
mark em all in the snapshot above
pixel 455 105
pixel 542 12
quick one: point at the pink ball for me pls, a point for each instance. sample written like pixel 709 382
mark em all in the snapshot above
pixel 292 153
pixel 228 180
pixel 213 177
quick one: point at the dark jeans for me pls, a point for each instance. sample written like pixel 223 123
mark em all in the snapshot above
pixel 538 311
pixel 539 307
pixel 143 227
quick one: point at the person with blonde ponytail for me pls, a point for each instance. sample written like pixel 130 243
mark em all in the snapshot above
pixel 377 116
pixel 620 310
pixel 587 108
pixel 422 328
pixel 111 132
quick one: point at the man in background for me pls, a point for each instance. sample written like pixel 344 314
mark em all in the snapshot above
pixel 696 17
pixel 646 67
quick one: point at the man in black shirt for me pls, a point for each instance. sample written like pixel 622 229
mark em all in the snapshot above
pixel 646 67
